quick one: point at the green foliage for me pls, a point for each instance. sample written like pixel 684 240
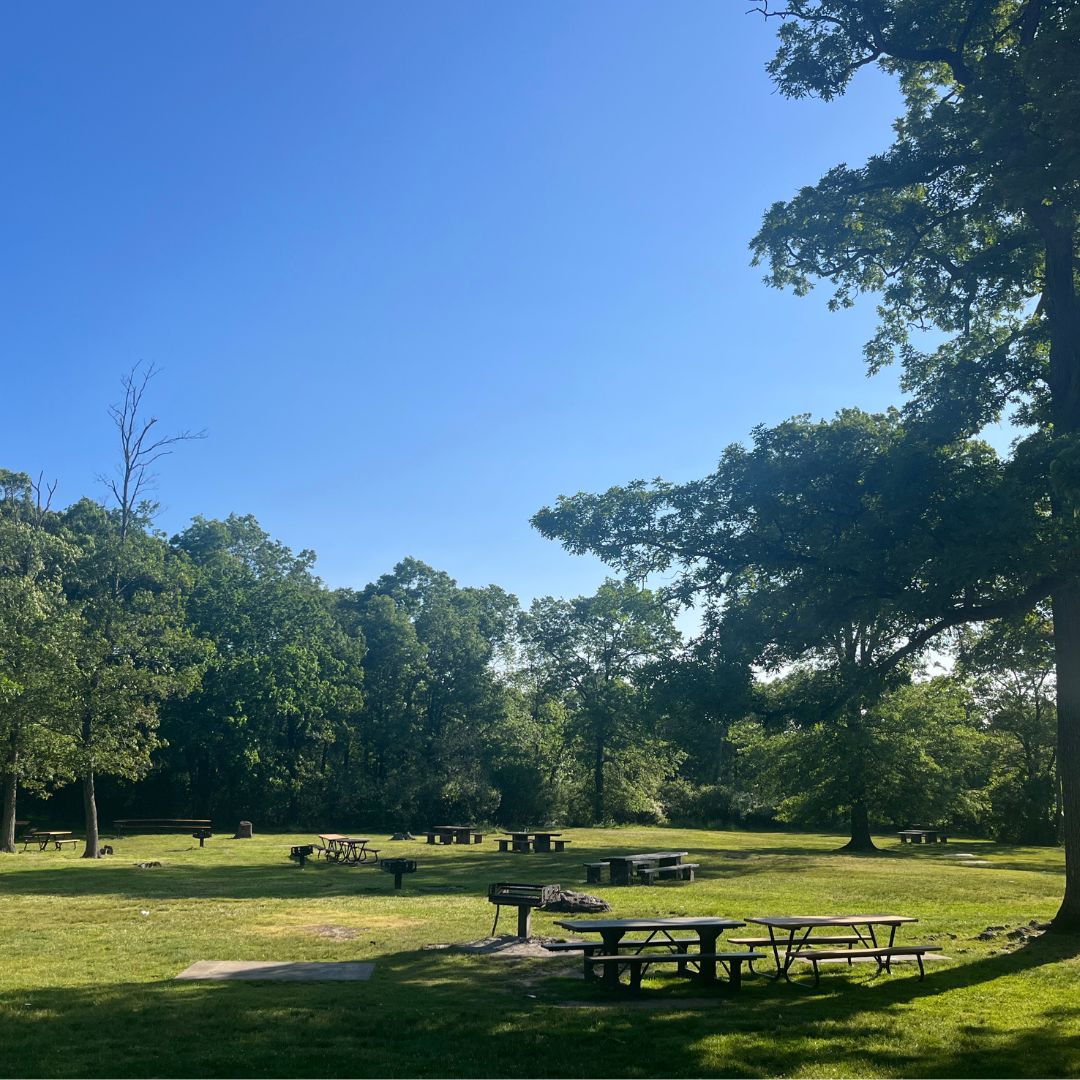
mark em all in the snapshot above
pixel 599 655
pixel 1010 665
pixel 917 756
pixel 283 691
pixel 38 630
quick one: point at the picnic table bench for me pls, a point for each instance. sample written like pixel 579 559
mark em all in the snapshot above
pixel 883 956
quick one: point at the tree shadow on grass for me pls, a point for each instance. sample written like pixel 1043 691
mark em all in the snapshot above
pixel 443 1014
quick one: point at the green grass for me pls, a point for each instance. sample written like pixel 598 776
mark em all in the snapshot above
pixel 89 951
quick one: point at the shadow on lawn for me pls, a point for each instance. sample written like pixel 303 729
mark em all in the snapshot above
pixel 440 1014
pixel 453 871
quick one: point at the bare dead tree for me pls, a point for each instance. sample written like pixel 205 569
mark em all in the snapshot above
pixel 140 445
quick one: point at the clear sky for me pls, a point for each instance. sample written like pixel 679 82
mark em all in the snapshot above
pixel 418 268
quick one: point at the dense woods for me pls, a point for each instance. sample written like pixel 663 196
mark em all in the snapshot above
pixel 213 674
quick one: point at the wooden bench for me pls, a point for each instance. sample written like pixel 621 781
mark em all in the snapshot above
pixel 60 843
pixel 638 962
pixel 477 837
pixel 593 871
pixel 884 956
pixel 679 871
pixel 560 845
pixel 504 845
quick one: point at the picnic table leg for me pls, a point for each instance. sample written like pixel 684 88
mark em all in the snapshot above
pixel 523 921
pixel 707 968
pixel 611 948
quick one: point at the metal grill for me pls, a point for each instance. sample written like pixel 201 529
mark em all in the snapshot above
pixel 522 895
pixel 398 867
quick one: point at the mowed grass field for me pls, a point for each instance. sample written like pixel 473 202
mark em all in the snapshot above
pixel 90 950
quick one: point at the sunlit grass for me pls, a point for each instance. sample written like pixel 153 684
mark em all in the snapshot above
pixel 90 951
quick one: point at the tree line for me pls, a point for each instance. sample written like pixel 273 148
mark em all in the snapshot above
pixel 212 673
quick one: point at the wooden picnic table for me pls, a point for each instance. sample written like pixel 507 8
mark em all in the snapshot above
pixel 612 932
pixel 792 935
pixel 532 840
pixel 347 849
pixel 622 869
pixel 921 836
pixel 458 834
pixel 44 837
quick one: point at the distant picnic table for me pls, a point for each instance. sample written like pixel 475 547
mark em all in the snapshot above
pixel 200 828
pixel 643 868
pixel 454 834
pixel 352 850
pixel 923 836
pixel 527 840
pixel 44 837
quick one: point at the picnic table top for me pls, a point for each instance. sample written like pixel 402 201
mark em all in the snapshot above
pixel 648 855
pixel 341 838
pixel 796 922
pixel 532 832
pixel 52 832
pixel 154 820
pixel 585 926
pixel 452 828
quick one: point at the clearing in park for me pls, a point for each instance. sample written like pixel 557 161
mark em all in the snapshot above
pixel 92 951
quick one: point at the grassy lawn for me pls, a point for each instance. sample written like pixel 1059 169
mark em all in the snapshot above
pixel 90 950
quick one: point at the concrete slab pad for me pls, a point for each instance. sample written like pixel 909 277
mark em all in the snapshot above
pixel 279 971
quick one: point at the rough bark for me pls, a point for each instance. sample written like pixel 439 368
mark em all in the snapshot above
pixel 861 840
pixel 598 782
pixel 7 809
pixel 1063 310
pixel 1067 649
pixel 93 845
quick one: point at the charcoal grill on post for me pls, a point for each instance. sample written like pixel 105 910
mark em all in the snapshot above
pixel 522 896
pixel 397 867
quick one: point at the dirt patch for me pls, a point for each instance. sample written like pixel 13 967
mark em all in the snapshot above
pixel 329 930
pixel 500 946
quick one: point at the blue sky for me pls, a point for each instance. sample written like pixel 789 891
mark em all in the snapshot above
pixel 417 268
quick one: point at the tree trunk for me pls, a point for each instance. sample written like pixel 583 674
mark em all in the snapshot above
pixel 598 782
pixel 7 809
pixel 861 840
pixel 93 845
pixel 1067 655
pixel 1063 319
